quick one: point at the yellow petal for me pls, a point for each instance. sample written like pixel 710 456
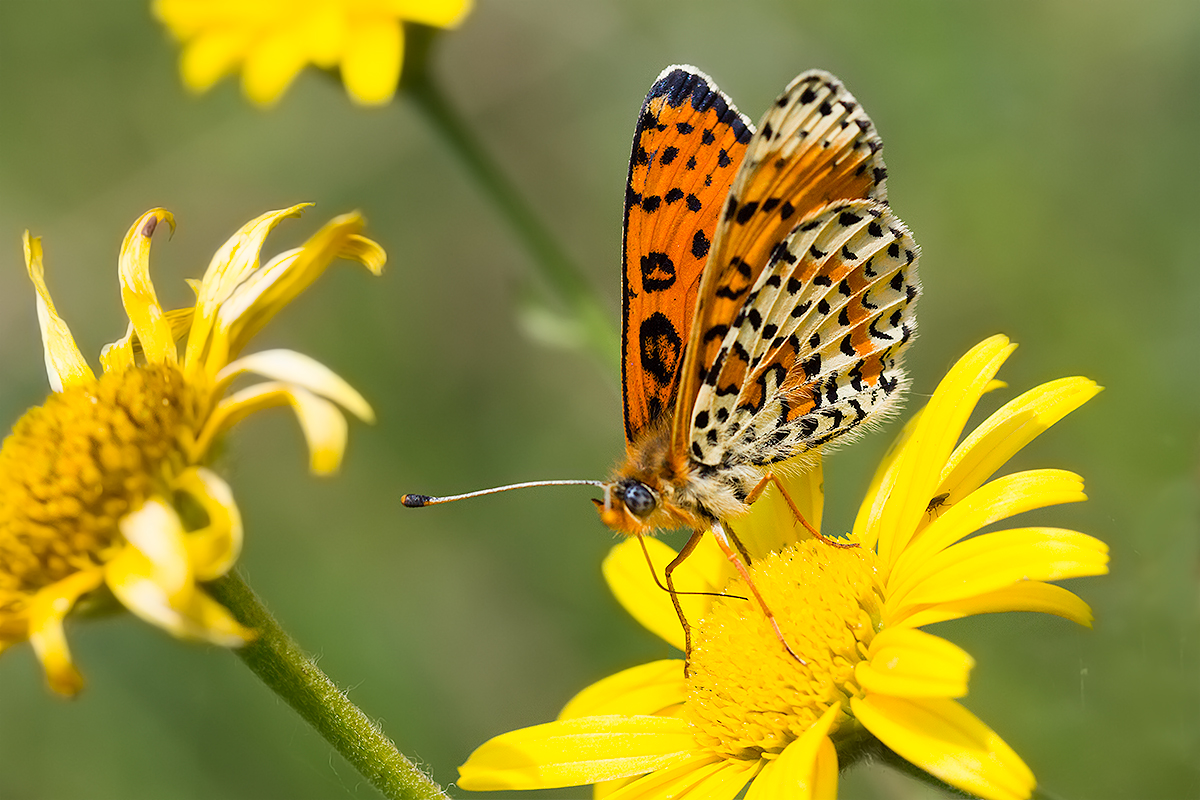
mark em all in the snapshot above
pixel 703 777
pixel 904 662
pixel 438 13
pixel 187 613
pixel 949 742
pixel 47 611
pixel 122 354
pixel 605 789
pixel 644 689
pixel 211 56
pixel 152 577
pixel 186 18
pixel 633 584
pixel 1045 598
pixel 932 441
pixel 214 549
pixel 233 262
pixel 325 33
pixel 268 290
pixel 365 251
pixel 1005 432
pixel 137 291
pixel 118 356
pixel 65 365
pixel 825 779
pixel 298 369
pixel 322 423
pixel 866 523
pixel 577 751
pixel 156 532
pixel 676 781
pixel 238 257
pixel 272 63
pixel 180 320
pixel 992 502
pixel 995 560
pixel 371 64
pixel 807 768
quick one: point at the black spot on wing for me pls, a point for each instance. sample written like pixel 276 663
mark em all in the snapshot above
pixel 746 212
pixel 659 346
pixel 658 272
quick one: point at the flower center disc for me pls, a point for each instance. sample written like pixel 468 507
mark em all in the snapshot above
pixel 75 465
pixel 747 695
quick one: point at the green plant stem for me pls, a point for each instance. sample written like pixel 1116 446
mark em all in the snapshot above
pixel 551 259
pixel 277 659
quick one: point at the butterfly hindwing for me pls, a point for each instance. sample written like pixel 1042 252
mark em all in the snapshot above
pixel 687 147
pixel 814 351
pixel 814 147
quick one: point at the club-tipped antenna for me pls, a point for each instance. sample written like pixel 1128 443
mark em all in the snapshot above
pixel 422 500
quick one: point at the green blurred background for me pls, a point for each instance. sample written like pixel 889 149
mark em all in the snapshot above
pixel 1044 154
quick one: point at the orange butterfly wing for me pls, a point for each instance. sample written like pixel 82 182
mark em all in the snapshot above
pixel 687 147
pixel 814 147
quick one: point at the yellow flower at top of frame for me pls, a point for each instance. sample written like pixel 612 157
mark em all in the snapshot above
pixel 747 714
pixel 272 40
pixel 92 480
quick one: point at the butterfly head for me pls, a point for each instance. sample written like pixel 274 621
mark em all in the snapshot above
pixel 628 506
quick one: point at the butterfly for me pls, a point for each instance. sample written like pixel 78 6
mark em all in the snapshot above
pixel 768 298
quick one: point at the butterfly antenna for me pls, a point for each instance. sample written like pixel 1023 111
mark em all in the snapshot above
pixel 422 500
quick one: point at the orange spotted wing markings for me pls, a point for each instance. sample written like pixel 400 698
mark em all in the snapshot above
pixel 687 147
pixel 814 147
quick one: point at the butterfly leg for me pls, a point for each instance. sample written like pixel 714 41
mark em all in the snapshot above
pixel 730 546
pixel 650 563
pixel 668 574
pixel 770 478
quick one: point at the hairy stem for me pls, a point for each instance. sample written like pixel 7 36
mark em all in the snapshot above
pixel 277 659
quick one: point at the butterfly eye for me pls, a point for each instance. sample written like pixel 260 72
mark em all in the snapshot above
pixel 639 499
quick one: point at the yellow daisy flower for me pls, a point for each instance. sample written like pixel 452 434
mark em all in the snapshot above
pixel 747 712
pixel 274 39
pixel 93 481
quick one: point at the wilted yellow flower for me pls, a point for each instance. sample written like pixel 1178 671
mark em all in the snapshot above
pixel 746 711
pixel 92 481
pixel 272 40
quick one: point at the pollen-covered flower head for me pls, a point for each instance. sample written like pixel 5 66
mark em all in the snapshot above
pixel 272 40
pixel 92 482
pixel 745 711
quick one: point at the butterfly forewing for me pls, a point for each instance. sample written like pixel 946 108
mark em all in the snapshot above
pixel 687 147
pixel 814 147
pixel 813 352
